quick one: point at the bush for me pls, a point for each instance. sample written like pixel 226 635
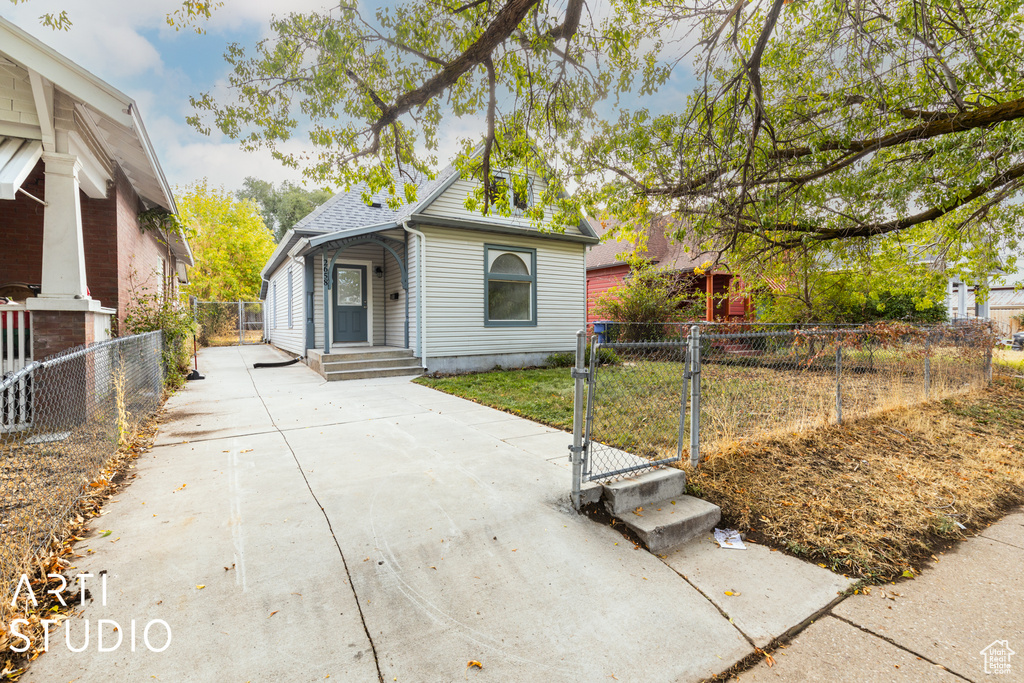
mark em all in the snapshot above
pixel 151 312
pixel 605 356
pixel 643 303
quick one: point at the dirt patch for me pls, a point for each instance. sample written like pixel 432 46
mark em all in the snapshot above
pixel 876 498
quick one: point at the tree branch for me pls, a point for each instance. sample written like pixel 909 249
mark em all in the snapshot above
pixel 871 229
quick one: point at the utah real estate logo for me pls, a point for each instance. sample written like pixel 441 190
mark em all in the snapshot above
pixel 997 657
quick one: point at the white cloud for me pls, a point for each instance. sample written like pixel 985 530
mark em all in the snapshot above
pixel 106 42
pixel 223 163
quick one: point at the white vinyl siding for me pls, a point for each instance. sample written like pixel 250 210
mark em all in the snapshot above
pixel 394 312
pixel 16 102
pixel 285 303
pixel 291 297
pixel 456 291
pixel 451 204
pixel 413 265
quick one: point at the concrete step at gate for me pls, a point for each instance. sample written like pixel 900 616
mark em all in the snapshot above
pixel 654 506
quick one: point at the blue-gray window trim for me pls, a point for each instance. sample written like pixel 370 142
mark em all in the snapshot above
pixel 531 278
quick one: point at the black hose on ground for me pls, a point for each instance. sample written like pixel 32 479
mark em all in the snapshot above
pixel 282 364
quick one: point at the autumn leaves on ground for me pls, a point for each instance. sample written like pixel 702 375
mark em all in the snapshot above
pixel 60 551
pixel 880 497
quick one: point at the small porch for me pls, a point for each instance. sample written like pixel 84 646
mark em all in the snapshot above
pixel 362 361
pixel 361 320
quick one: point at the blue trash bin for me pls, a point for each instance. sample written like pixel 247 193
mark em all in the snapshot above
pixel 601 331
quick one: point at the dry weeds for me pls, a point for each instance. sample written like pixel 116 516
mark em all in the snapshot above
pixel 58 552
pixel 877 497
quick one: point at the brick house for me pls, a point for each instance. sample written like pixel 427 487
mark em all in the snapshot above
pixel 77 169
pixel 607 267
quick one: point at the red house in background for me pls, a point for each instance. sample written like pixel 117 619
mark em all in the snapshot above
pixel 607 268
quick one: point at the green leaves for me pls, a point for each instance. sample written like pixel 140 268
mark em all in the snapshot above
pixel 230 242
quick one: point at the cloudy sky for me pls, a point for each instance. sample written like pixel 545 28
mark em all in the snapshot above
pixel 129 44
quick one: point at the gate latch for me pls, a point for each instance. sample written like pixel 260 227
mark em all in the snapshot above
pixel 573 450
pixel 580 374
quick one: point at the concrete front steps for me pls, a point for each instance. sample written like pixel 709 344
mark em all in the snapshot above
pixel 366 364
pixel 654 506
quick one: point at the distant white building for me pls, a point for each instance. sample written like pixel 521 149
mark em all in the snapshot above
pixel 1004 303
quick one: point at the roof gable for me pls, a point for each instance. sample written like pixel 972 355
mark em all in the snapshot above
pixel 110 117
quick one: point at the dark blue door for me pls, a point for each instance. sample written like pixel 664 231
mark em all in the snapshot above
pixel 350 299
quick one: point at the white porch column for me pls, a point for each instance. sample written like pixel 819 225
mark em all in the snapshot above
pixel 950 297
pixel 981 310
pixel 63 244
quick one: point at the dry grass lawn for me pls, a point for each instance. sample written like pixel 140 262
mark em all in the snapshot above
pixel 877 497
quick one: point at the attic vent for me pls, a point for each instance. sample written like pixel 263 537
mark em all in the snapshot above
pixel 374 205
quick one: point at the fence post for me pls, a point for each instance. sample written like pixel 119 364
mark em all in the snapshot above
pixel 839 382
pixel 928 365
pixel 241 324
pixel 576 456
pixel 687 379
pixel 694 395
pixel 990 342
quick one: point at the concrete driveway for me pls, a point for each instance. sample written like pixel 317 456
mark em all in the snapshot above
pixel 287 529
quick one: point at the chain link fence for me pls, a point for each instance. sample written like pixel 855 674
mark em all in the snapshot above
pixel 656 394
pixel 227 323
pixel 63 419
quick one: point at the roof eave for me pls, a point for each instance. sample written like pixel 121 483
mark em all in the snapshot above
pixel 327 238
pixel 41 58
pixel 463 224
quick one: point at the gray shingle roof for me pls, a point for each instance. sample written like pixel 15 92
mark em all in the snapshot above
pixel 348 211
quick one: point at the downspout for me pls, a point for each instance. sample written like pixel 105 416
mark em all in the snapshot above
pixel 421 292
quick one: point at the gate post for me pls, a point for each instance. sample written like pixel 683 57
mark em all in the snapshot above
pixel 241 324
pixel 684 395
pixel 579 377
pixel 694 395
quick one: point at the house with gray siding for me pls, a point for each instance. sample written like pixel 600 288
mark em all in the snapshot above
pixel 360 289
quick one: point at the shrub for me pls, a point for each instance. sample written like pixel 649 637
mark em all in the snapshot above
pixel 645 301
pixel 605 356
pixel 152 312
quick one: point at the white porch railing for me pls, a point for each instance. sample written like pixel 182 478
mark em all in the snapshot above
pixel 15 354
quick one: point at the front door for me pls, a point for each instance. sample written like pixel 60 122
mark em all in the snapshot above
pixel 350 299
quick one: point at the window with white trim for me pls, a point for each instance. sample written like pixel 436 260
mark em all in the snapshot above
pixel 510 284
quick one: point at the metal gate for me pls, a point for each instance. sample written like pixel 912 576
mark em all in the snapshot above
pixel 228 323
pixel 613 405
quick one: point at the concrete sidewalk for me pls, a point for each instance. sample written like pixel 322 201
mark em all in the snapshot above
pixel 287 529
pixel 945 625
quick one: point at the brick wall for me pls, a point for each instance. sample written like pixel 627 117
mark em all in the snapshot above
pixel 55 331
pixel 121 261
pixel 138 252
pixel 98 221
pixel 21 233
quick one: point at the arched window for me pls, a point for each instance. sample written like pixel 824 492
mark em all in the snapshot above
pixel 510 275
